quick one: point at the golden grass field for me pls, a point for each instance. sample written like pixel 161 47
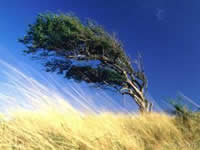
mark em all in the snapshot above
pixel 53 124
pixel 53 130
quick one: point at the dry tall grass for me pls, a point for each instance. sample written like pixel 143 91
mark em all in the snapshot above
pixel 52 124
pixel 53 130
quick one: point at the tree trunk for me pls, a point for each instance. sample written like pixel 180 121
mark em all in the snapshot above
pixel 138 95
pixel 144 105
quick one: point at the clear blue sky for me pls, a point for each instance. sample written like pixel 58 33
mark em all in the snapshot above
pixel 166 32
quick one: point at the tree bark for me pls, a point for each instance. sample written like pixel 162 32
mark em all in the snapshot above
pixel 144 105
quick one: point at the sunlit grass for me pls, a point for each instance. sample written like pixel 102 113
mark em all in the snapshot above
pixel 45 121
pixel 54 130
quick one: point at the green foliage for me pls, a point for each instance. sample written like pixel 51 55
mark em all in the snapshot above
pixel 95 75
pixel 179 109
pixel 185 116
pixel 64 39
pixel 66 35
pixel 86 52
pixel 187 122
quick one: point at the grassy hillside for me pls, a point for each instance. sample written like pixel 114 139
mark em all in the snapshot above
pixel 53 124
pixel 54 130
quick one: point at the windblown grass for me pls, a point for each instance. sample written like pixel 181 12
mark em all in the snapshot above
pixel 50 123
pixel 54 130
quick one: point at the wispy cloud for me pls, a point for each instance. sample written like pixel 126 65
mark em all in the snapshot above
pixel 160 14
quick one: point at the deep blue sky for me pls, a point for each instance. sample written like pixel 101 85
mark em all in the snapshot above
pixel 166 32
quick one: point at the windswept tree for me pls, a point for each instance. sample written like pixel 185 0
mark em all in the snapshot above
pixel 86 52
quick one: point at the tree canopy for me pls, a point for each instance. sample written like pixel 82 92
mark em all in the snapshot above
pixel 85 52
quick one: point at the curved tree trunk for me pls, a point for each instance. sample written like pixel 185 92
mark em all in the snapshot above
pixel 138 95
pixel 144 105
